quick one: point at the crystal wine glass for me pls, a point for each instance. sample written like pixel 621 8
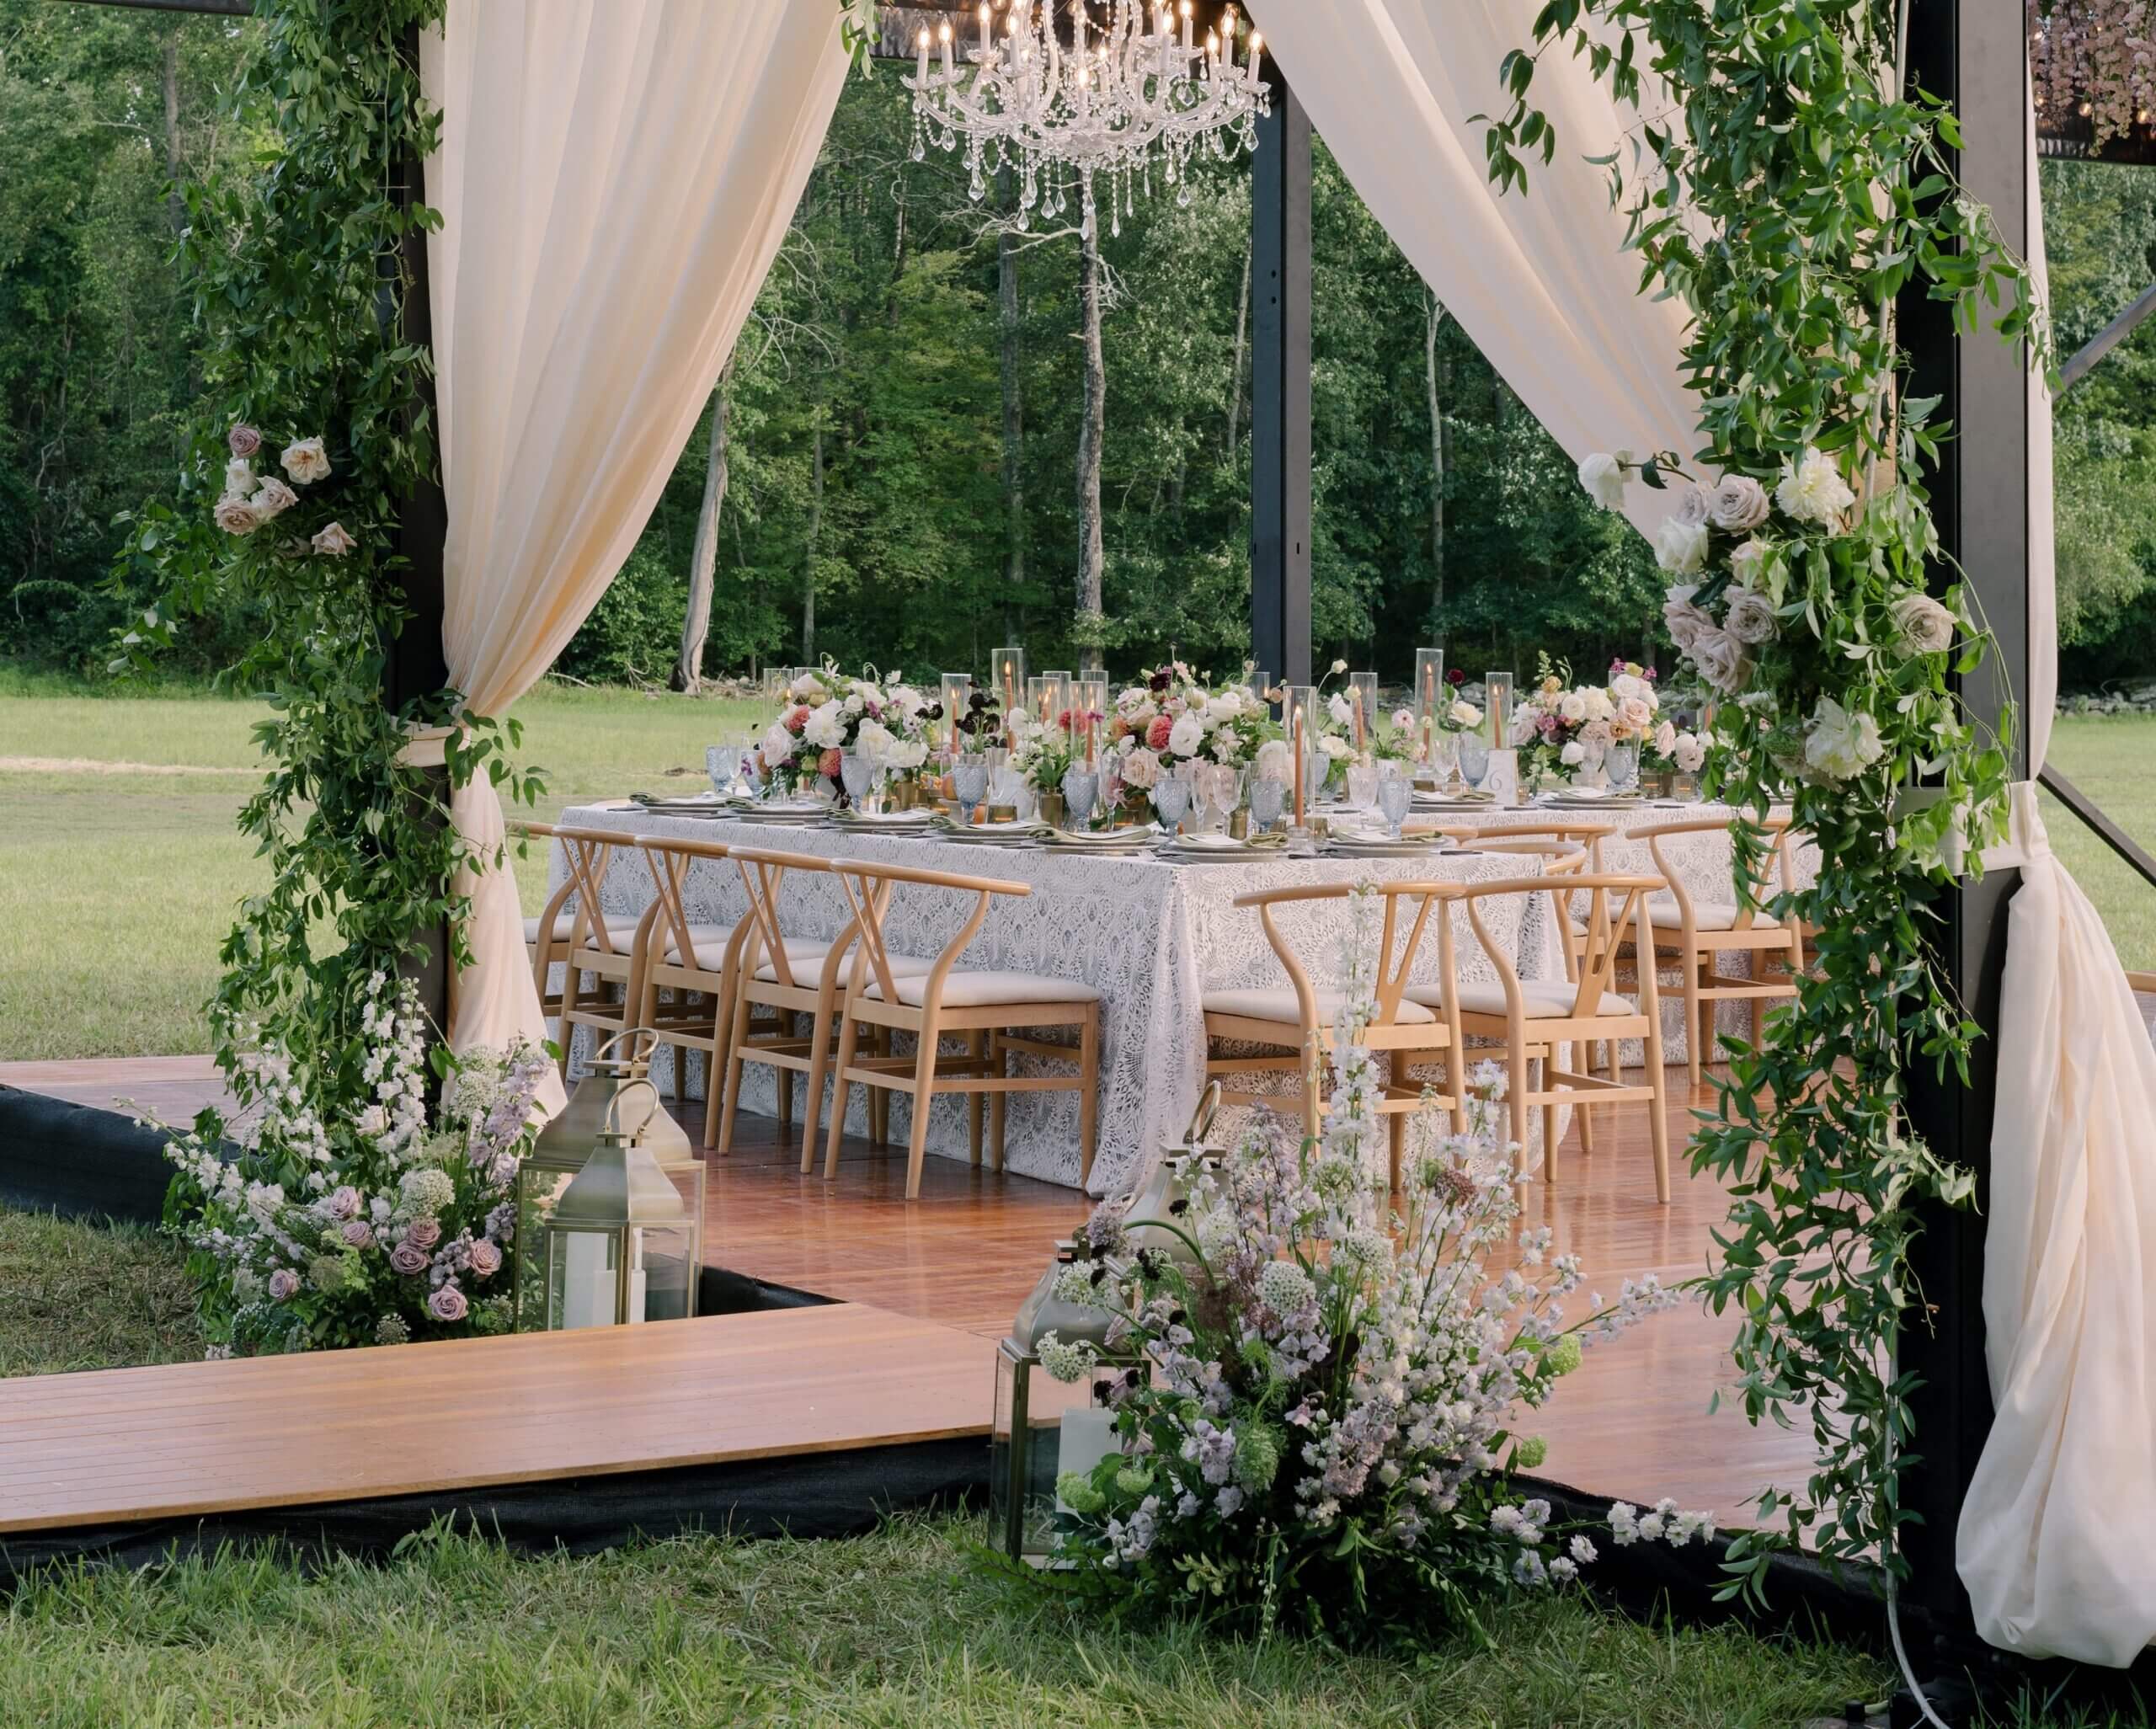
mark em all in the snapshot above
pixel 1171 799
pixel 969 780
pixel 1268 797
pixel 1395 793
pixel 857 774
pixel 723 763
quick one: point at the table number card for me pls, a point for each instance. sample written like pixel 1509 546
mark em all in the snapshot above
pixel 1502 781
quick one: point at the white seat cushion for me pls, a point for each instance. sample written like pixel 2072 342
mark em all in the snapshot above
pixel 804 955
pixel 1281 1005
pixel 706 943
pixel 1706 915
pixel 622 933
pixel 981 990
pixel 1541 999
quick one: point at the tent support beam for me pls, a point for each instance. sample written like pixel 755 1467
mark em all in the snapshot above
pixel 2105 340
pixel 1280 390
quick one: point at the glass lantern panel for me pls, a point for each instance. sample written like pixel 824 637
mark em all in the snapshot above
pixel 583 1278
pixel 662 1271
pixel 538 1191
pixel 1042 1427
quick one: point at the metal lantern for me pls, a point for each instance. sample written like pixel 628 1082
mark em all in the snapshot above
pixel 1044 1426
pixel 621 1244
pixel 567 1141
pixel 1165 1198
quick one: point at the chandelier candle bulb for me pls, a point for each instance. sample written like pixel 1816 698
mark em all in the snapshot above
pixel 920 66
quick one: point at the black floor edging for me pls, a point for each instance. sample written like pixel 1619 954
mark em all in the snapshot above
pixel 808 1494
pixel 80 1161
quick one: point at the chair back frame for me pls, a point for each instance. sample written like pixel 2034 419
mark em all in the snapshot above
pixel 1597 962
pixel 868 886
pixel 1394 975
pixel 1751 893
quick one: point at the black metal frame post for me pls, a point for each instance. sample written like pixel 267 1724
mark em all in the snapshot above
pixel 1973 53
pixel 1280 390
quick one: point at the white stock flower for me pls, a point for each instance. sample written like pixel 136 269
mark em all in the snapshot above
pixel 1812 489
pixel 1739 503
pixel 1750 617
pixel 1604 477
pixel 1922 626
pixel 1841 743
pixel 305 461
pixel 1680 547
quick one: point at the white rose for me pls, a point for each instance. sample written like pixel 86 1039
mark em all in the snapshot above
pixel 333 543
pixel 239 478
pixel 1665 739
pixel 1465 714
pixel 1922 626
pixel 1840 743
pixel 1739 503
pixel 826 726
pixel 1603 478
pixel 1688 753
pixel 1636 712
pixel 1750 560
pixel 1141 769
pixel 1598 703
pixel 1682 618
pixel 273 498
pixel 1573 754
pixel 1750 617
pixel 1186 737
pixel 1693 505
pixel 1275 762
pixel 1341 709
pixel 1335 747
pixel 1571 707
pixel 777 746
pixel 1812 490
pixel 1721 660
pixel 1631 684
pixel 306 461
pixel 1680 547
pixel 855 702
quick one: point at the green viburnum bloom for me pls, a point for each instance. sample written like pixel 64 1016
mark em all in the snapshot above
pixel 1132 1481
pixel 1530 1453
pixel 1562 1355
pixel 1077 1492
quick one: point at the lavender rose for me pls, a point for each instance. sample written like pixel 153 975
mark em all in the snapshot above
pixel 284 1284
pixel 1750 617
pixel 1721 660
pixel 448 1304
pixel 1684 620
pixel 333 542
pixel 423 1233
pixel 1738 504
pixel 343 1202
pixel 408 1259
pixel 357 1234
pixel 242 441
pixel 486 1259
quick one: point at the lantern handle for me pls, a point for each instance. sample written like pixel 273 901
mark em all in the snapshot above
pixel 1201 1119
pixel 610 1123
pixel 635 1054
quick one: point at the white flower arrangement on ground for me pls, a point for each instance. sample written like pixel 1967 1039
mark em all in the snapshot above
pixel 391 1226
pixel 1326 1419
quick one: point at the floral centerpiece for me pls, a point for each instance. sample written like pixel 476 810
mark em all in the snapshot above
pixel 825 715
pixel 396 1224
pixel 1671 750
pixel 1327 1415
pixel 1175 717
pixel 1567 729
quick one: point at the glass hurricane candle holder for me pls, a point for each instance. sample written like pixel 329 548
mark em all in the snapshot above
pixel 1007 677
pixel 955 690
pixel 1362 696
pixel 1431 699
pixel 1497 705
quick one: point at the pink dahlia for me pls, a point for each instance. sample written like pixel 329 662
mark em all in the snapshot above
pixel 1156 735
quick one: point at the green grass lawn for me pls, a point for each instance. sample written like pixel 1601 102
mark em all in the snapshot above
pixel 119 867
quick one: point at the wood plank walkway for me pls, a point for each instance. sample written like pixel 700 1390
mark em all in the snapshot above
pixel 1633 1422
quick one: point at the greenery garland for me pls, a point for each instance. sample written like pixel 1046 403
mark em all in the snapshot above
pixel 1787 192
pixel 298 286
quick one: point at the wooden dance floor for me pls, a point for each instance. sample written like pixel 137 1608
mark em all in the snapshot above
pixel 902 1354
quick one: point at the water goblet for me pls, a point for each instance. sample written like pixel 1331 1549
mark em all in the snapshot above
pixel 1317 766
pixel 857 774
pixel 1268 797
pixel 1624 762
pixel 1395 793
pixel 723 763
pixel 1362 785
pixel 969 781
pixel 1171 800
pixel 1474 757
pixel 1080 786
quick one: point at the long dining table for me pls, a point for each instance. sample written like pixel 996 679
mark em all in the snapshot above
pixel 1152 935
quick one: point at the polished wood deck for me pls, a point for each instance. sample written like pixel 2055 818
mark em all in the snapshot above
pixel 1633 1423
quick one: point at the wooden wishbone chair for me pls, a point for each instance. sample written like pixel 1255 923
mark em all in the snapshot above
pixel 989 1007
pixel 607 950
pixel 788 977
pixel 1297 1024
pixel 697 960
pixel 545 938
pixel 1533 1018
pixel 1693 934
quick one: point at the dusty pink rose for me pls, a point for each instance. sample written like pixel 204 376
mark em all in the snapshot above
pixel 448 1304
pixel 284 1284
pixel 357 1234
pixel 242 441
pixel 273 498
pixel 486 1258
pixel 333 543
pixel 1156 735
pixel 408 1259
pixel 345 1201
pixel 829 763
pixel 237 515
pixel 423 1233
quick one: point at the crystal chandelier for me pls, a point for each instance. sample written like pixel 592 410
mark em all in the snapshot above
pixel 1120 103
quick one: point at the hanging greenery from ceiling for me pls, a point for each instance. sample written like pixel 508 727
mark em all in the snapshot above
pixel 310 438
pixel 1780 182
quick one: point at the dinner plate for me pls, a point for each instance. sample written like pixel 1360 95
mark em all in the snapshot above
pixel 1385 846
pixel 795 814
pixel 1114 841
pixel 885 819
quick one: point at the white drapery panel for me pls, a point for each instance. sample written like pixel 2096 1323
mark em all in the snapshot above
pixel 615 178
pixel 1539 282
pixel 2056 1543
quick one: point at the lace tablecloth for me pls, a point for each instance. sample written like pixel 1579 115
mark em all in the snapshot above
pixel 1151 937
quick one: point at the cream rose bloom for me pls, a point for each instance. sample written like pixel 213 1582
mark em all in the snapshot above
pixel 1737 504
pixel 1573 754
pixel 1335 747
pixel 1922 626
pixel 237 515
pixel 306 461
pixel 1186 737
pixel 777 747
pixel 1750 617
pixel 1665 739
pixel 1465 714
pixel 1636 712
pixel 1812 489
pixel 1141 769
pixel 1840 743
pixel 333 542
pixel 1604 477
pixel 1721 660
pixel 1689 753
pixel 1695 505
pixel 239 478
pixel 273 498
pixel 1682 618
pixel 1599 705
pixel 1748 561
pixel 1680 547
pixel 1631 684
pixel 1572 708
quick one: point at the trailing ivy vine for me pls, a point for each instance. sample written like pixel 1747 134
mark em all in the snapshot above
pixel 298 285
pixel 1781 183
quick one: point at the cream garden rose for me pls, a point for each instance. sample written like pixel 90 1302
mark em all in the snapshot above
pixel 333 542
pixel 237 515
pixel 273 498
pixel 1750 617
pixel 1721 660
pixel 1683 617
pixel 1922 626
pixel 1680 547
pixel 1739 503
pixel 305 461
